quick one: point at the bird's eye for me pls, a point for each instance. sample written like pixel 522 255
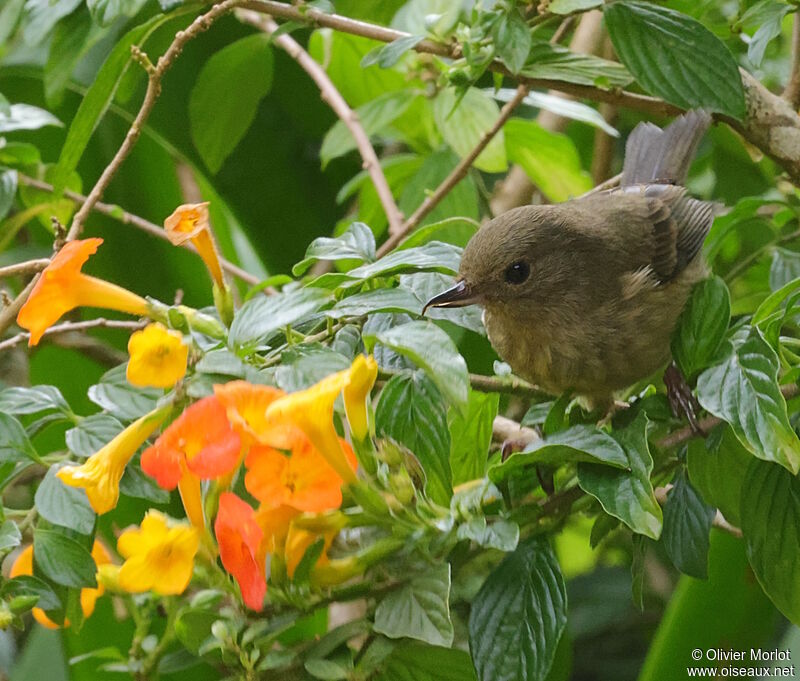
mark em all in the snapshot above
pixel 517 272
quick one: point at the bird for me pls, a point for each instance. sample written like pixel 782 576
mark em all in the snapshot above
pixel 583 296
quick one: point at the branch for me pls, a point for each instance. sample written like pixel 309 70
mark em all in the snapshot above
pixel 771 123
pixel 154 76
pixel 27 267
pixel 340 107
pixel 458 173
pixel 127 218
pixel 486 384
pixel 71 327
pixel 792 92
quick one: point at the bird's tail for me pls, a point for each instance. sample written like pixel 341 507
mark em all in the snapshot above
pixel 653 155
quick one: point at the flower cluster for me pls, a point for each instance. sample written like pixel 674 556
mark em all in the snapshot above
pixel 293 463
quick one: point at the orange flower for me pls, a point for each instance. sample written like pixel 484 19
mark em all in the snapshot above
pixel 62 287
pixel 298 540
pixel 311 410
pixel 239 537
pixel 274 522
pixel 23 565
pixel 199 444
pixel 246 405
pixel 363 373
pixel 304 480
pixel 190 222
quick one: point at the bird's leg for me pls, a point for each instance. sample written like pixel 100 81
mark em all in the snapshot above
pixel 512 445
pixel 612 408
pixel 682 401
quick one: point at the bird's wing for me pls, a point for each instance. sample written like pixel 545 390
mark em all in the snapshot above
pixel 652 228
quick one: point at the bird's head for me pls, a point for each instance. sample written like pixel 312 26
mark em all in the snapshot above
pixel 516 258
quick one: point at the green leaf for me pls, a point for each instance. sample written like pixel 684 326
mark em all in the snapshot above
pixel 456 231
pixel 8 190
pixel 356 243
pixel 375 116
pixel 64 506
pixel 19 154
pixel 26 117
pixel 462 122
pixel 420 609
pixel 226 96
pixel 512 39
pixel 121 399
pixel 302 367
pixel 92 433
pixel 398 299
pixel 717 467
pixel 72 39
pixel 9 17
pixel 702 326
pixel 325 670
pixel 771 528
pixel 767 16
pixel 743 390
pixel 62 559
pixel 555 62
pixel 105 12
pixel 32 400
pixel 579 443
pixel 518 616
pixel 432 350
pixel 28 585
pixel 432 257
pixel 411 411
pixel 10 536
pixel 99 95
pixel 570 6
pixel 550 159
pixel 471 436
pixel 785 268
pixel 135 483
pixel 675 57
pixel 687 524
pixel 42 16
pixel 419 662
pixel 627 495
pixel 14 443
pixel 388 55
pixel 461 201
pixel 261 317
pixel 502 535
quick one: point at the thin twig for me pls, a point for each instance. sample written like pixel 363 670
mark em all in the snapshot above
pixel 71 327
pixel 792 92
pixel 490 384
pixel 127 218
pixel 154 75
pixel 719 521
pixel 340 107
pixel 458 173
pixel 27 267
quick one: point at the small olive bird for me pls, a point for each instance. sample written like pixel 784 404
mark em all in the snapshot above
pixel 584 295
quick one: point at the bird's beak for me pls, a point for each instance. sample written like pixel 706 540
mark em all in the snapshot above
pixel 456 296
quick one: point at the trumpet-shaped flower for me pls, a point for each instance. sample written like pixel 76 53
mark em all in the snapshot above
pixel 23 565
pixel 158 557
pixel 246 406
pixel 62 287
pixel 311 410
pixel 190 222
pixel 363 373
pixel 298 541
pixel 239 537
pixel 274 522
pixel 200 441
pixel 101 473
pixel 158 357
pixel 304 480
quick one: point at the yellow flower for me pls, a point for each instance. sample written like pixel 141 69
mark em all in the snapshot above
pixel 100 474
pixel 190 222
pixel 158 558
pixel 158 357
pixel 23 565
pixel 363 373
pixel 298 540
pixel 311 410
pixel 62 287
